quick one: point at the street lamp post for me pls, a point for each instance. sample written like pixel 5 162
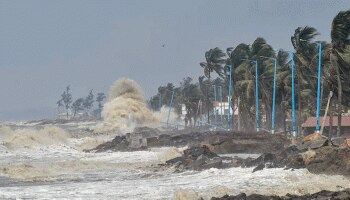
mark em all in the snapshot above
pixel 318 88
pixel 294 130
pixel 274 94
pixel 319 73
pixel 256 94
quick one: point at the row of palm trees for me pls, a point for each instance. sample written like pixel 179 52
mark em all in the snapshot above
pixel 335 73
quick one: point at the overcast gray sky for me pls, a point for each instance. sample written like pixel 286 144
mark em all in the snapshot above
pixel 46 45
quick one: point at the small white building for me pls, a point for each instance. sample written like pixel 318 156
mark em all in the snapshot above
pixel 223 109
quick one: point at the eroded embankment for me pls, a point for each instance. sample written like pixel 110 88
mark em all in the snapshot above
pixel 325 159
pixel 222 142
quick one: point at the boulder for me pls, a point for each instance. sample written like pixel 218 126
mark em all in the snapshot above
pixel 197 158
pixel 195 152
pixel 311 137
pixel 213 163
pixel 337 141
pixel 175 160
pixel 314 144
pixel 199 162
pixel 261 166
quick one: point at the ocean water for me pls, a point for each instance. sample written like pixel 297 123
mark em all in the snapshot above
pixel 47 170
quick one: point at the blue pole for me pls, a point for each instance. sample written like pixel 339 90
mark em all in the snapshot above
pixel 221 103
pixel 229 99
pixel 274 98
pixel 214 107
pixel 318 88
pixel 293 98
pixel 171 104
pixel 256 97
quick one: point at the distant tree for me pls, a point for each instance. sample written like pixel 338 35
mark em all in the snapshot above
pixel 77 106
pixel 166 93
pixel 154 102
pixel 190 96
pixel 89 101
pixel 66 98
pixel 99 99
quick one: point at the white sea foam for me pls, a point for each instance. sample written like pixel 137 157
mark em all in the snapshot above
pixel 30 138
pixel 131 175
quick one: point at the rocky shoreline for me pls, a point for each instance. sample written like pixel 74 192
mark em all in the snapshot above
pixel 223 142
pixel 317 154
pixel 324 194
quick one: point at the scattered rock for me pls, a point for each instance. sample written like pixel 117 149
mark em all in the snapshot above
pixel 119 143
pixel 195 152
pixel 197 158
pixel 312 137
pixel 213 163
pixel 326 160
pixel 261 166
pixel 337 141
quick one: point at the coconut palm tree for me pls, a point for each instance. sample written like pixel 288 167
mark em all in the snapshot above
pixel 245 80
pixel 305 53
pixel 235 58
pixel 214 61
pixel 283 86
pixel 340 59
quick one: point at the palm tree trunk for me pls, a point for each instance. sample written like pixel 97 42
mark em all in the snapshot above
pixel 339 105
pixel 299 107
pixel 284 113
pixel 240 116
pixel 233 100
pixel 267 115
pixel 331 120
pixel 340 89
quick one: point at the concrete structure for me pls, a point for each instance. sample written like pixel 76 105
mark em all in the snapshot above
pixel 309 125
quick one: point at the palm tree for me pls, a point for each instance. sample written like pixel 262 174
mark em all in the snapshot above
pixel 214 61
pixel 245 80
pixel 340 58
pixel 190 96
pixel 235 58
pixel 283 85
pixel 304 54
pixel 261 48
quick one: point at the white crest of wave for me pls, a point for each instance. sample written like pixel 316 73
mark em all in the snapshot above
pixel 126 109
pixel 29 138
pixel 169 153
